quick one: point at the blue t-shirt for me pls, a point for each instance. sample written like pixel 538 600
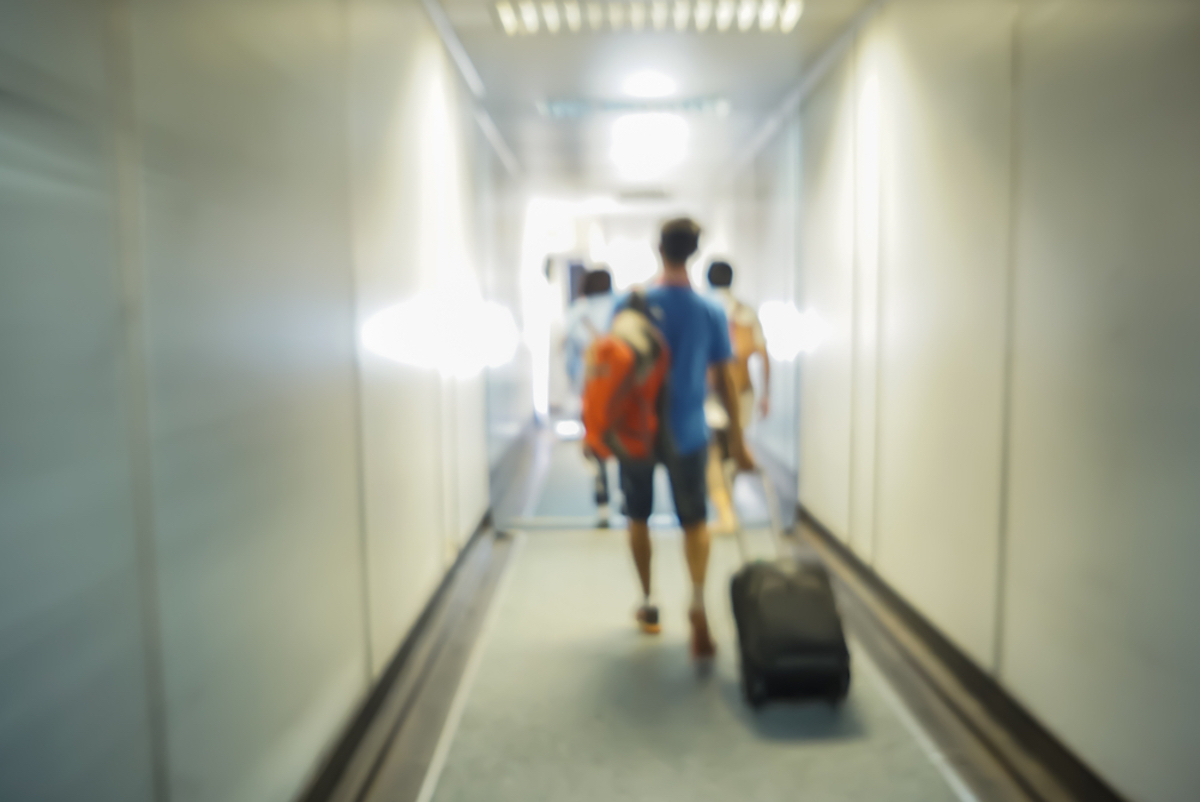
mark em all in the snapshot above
pixel 695 329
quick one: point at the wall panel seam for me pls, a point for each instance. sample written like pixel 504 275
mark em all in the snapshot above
pixel 126 152
pixel 1006 399
pixel 358 373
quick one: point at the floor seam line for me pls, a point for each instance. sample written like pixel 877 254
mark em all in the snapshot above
pixel 467 681
pixel 935 755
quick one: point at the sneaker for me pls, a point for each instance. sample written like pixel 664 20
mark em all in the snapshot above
pixel 703 647
pixel 647 618
pixel 602 516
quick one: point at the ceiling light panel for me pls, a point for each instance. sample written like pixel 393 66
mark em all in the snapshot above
pixel 553 16
pixel 508 17
pixel 726 10
pixel 768 14
pixel 660 12
pixel 747 13
pixel 683 11
pixel 637 16
pixel 648 83
pixel 573 15
pixel 529 16
pixel 792 10
pixel 616 16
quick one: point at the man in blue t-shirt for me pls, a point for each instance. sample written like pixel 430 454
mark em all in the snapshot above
pixel 698 335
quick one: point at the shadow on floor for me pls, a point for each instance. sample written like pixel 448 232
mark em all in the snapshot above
pixel 651 683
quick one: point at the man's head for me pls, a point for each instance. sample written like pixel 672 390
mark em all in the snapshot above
pixel 597 282
pixel 679 240
pixel 720 275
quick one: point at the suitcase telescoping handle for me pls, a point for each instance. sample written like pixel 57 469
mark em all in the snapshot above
pixel 773 513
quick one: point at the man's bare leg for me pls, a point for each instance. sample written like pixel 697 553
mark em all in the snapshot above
pixel 696 546
pixel 639 544
pixel 718 490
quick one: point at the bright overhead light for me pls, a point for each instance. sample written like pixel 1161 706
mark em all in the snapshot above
pixel 595 13
pixel 747 12
pixel 550 15
pixel 574 18
pixel 616 15
pixel 682 12
pixel 646 145
pixel 508 17
pixel 529 17
pixel 791 15
pixel 703 15
pixel 725 12
pixel 637 16
pixel 648 83
pixel 659 13
pixel 767 14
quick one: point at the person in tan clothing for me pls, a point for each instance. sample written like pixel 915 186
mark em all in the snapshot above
pixel 746 339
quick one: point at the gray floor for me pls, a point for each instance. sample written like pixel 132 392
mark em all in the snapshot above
pixel 571 702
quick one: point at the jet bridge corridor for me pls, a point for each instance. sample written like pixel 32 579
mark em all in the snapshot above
pixel 296 307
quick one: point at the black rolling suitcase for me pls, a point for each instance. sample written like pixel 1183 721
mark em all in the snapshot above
pixel 789 632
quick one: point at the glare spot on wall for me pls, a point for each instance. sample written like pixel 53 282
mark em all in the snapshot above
pixel 789 332
pixel 435 331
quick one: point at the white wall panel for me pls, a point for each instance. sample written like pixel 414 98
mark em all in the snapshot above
pixel 1101 639
pixel 246 252
pixel 415 152
pixel 944 77
pixel 74 722
pixel 777 183
pixel 827 263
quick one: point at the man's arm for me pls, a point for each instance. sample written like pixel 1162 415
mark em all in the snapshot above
pixel 764 403
pixel 724 387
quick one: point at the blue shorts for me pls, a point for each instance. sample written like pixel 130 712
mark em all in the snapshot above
pixel 687 487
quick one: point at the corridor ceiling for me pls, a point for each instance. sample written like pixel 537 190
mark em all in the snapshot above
pixel 737 77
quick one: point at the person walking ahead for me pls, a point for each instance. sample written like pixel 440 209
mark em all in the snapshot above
pixel 587 319
pixel 698 336
pixel 746 338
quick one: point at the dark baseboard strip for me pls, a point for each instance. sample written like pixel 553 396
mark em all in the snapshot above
pixel 510 469
pixel 330 773
pixel 1037 761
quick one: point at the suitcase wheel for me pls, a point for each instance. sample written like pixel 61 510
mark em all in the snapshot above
pixel 755 689
pixel 840 690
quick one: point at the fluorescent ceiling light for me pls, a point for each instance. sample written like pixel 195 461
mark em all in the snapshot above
pixel 659 13
pixel 747 12
pixel 682 12
pixel 648 83
pixel 616 15
pixel 703 15
pixel 529 16
pixel 508 17
pixel 768 13
pixel 574 18
pixel 637 16
pixel 595 13
pixel 725 12
pixel 791 15
pixel 550 15
pixel 646 145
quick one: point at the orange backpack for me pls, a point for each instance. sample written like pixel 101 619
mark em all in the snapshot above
pixel 624 393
